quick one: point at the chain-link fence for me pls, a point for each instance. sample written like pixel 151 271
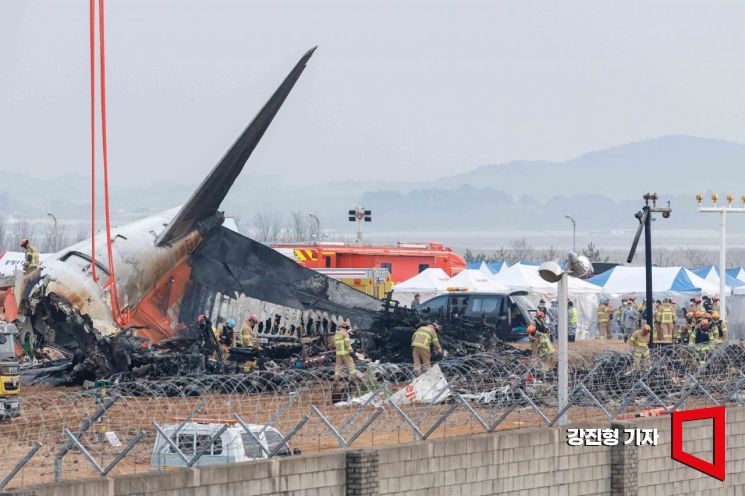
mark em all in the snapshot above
pixel 65 434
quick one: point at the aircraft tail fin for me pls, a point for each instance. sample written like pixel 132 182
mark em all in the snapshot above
pixel 205 201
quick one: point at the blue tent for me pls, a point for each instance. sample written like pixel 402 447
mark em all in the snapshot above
pixel 665 279
pixel 494 267
pixel 737 273
pixel 711 274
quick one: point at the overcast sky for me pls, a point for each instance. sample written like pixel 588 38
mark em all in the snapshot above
pixel 397 89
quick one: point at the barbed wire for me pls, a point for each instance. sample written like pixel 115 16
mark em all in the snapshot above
pixel 467 395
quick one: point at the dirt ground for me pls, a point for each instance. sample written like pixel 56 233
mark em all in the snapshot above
pixel 47 411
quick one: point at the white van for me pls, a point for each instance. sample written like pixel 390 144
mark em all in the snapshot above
pixel 233 446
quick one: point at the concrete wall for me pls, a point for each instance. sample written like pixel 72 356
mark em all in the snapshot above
pixel 660 474
pixel 535 461
pixel 519 462
pixel 318 475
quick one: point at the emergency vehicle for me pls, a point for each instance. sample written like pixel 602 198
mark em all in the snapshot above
pixel 402 260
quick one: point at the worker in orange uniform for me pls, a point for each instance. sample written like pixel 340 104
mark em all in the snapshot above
pixel 31 259
pixel 343 346
pixel 424 338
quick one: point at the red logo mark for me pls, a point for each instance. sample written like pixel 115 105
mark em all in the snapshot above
pixel 716 469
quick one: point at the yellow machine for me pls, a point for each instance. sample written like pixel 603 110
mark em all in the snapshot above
pixel 10 377
pixel 374 282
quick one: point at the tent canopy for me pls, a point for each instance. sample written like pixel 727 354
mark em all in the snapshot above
pixel 711 274
pixel 521 277
pixel 429 280
pixel 738 273
pixel 488 268
pixel 664 279
pixel 477 281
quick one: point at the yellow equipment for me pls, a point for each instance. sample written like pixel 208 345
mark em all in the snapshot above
pixel 10 376
pixel 374 282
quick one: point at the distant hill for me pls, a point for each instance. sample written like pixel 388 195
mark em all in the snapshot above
pixel 670 165
pixel 602 189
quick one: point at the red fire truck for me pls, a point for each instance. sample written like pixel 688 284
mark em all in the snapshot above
pixel 403 260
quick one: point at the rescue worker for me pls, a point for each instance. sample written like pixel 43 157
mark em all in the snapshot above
pixel 540 323
pixel 701 336
pixel 628 319
pixel 656 315
pixel 245 338
pixel 542 307
pixel 666 320
pixel 31 258
pixel 685 331
pixel 717 328
pixel 207 337
pixel 572 316
pixel 708 305
pixel 715 304
pixel 416 303
pixel 604 315
pixel 553 319
pixel 424 338
pixel 226 336
pixel 639 342
pixel 541 345
pixel 343 347
pixel 697 305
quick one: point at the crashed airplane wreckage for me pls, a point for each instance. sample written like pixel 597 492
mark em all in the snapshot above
pixel 176 265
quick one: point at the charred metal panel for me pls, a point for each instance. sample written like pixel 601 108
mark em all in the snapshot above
pixel 236 266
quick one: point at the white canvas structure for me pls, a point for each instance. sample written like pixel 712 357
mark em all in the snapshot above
pixel 428 283
pixel 476 281
pixel 668 282
pixel 522 277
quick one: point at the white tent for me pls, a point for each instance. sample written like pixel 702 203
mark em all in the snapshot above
pixel 476 281
pixel 668 282
pixel 522 277
pixel 428 283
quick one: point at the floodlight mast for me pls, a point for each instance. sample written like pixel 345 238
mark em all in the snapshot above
pixel 722 211
pixel 645 220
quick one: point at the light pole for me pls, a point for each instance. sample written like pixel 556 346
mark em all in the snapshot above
pixel 54 219
pixel 318 225
pixel 577 266
pixel 574 232
pixel 644 216
pixel 722 242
